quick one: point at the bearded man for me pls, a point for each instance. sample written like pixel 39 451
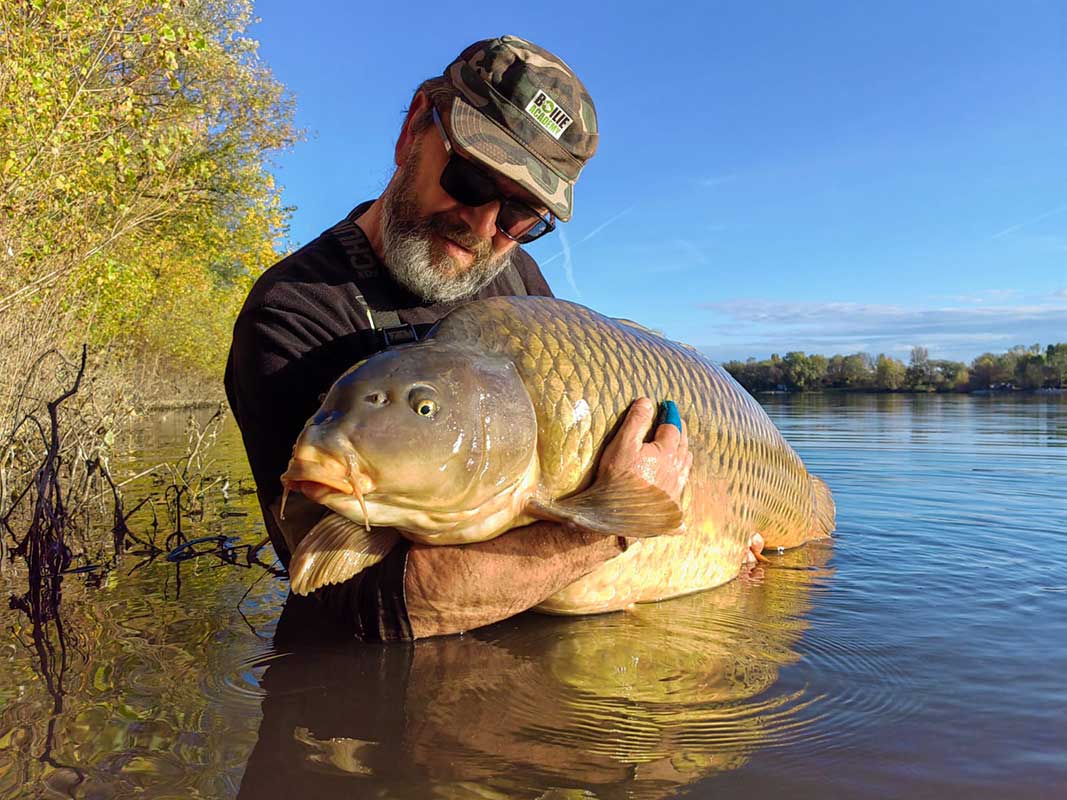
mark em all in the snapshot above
pixel 486 160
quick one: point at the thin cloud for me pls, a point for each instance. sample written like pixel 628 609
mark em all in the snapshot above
pixel 987 296
pixel 1060 293
pixel 756 327
pixel 714 180
pixel 1009 230
pixel 875 316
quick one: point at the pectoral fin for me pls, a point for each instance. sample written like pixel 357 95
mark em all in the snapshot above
pixel 335 550
pixel 625 506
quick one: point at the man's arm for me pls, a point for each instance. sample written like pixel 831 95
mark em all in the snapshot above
pixel 457 588
pixel 453 589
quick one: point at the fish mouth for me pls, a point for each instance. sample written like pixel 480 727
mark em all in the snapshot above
pixel 316 491
pixel 309 477
pixel 317 475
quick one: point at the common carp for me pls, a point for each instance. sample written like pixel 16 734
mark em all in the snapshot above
pixel 498 419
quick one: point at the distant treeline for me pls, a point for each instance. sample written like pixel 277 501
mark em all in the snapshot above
pixel 1019 368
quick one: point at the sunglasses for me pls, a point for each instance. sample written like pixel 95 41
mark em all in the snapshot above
pixel 466 183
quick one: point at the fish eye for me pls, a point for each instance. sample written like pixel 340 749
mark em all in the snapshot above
pixel 424 407
pixel 422 402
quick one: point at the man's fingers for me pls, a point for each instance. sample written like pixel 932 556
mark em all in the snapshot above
pixel 667 453
pixel 669 415
pixel 672 434
pixel 668 437
pixel 635 426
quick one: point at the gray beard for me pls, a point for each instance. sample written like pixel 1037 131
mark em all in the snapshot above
pixel 417 261
pixel 411 260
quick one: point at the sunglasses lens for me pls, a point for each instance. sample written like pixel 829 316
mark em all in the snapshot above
pixel 521 222
pixel 467 184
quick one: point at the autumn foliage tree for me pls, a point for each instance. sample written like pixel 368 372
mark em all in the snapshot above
pixel 1018 368
pixel 136 203
pixel 136 208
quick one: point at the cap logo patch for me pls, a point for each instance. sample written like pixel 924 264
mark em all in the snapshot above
pixel 548 114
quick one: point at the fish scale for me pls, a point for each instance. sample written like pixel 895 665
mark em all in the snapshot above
pixel 745 477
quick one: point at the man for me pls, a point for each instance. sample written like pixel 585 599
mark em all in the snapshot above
pixel 486 160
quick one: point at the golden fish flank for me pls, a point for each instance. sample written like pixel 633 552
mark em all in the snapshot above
pixel 498 419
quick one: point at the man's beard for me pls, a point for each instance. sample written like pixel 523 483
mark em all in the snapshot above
pixel 418 260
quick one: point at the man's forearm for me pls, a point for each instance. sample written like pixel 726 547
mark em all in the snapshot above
pixel 454 589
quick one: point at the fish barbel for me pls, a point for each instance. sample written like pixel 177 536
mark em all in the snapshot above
pixel 498 418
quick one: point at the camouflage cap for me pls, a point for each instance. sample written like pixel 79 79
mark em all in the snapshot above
pixel 521 111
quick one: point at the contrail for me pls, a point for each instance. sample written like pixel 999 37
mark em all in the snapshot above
pixel 568 265
pixel 1038 218
pixel 603 225
pixel 565 253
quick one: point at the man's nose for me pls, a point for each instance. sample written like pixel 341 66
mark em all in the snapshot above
pixel 481 219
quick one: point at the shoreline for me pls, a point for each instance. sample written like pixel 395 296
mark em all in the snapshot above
pixel 979 392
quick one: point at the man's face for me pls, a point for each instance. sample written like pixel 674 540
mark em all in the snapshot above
pixel 435 246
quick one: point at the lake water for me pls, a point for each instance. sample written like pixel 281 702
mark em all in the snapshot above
pixel 920 653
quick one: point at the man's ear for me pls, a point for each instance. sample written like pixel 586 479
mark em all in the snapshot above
pixel 419 106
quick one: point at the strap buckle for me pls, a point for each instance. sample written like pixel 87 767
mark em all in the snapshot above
pixel 400 334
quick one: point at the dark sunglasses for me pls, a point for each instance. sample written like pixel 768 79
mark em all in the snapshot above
pixel 466 183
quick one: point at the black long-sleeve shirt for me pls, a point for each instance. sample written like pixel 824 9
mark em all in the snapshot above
pixel 304 323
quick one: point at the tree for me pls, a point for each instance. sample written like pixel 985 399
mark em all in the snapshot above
pixel 984 371
pixel 950 376
pixel 889 373
pixel 859 370
pixel 800 371
pixel 1008 364
pixel 1056 364
pixel 774 371
pixel 745 373
pixel 835 371
pixel 1030 370
pixel 134 138
pixel 819 366
pixel 919 376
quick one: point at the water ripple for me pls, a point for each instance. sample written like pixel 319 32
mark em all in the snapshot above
pixel 895 660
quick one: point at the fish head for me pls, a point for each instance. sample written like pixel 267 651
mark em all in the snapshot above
pixel 415 434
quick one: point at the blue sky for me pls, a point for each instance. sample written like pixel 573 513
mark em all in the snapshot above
pixel 827 177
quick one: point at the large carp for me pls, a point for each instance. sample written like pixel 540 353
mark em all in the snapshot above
pixel 498 418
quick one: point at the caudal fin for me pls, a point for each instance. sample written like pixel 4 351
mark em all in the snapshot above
pixel 825 511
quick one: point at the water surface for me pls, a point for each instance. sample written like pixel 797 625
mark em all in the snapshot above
pixel 922 652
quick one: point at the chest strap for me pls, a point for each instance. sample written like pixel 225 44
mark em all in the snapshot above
pixel 385 327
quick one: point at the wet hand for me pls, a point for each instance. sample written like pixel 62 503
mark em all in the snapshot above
pixel 664 461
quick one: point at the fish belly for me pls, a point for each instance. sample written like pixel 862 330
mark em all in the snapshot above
pixel 583 371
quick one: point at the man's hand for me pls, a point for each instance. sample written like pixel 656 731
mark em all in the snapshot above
pixel 664 462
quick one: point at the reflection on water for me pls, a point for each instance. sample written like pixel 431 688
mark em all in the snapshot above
pixel 921 653
pixel 626 705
